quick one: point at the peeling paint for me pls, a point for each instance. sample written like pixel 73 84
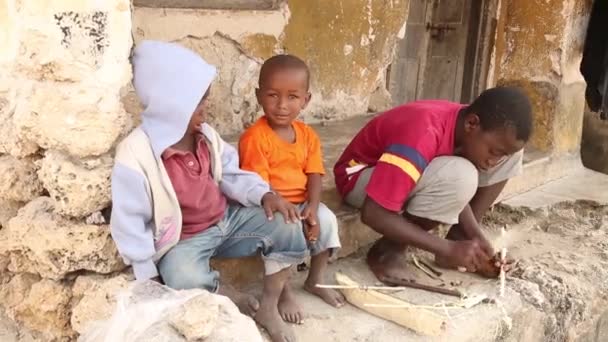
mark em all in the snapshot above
pixel 550 37
pixel 348 49
pixel 401 33
pixel 541 53
pixel 175 24
pixel 346 65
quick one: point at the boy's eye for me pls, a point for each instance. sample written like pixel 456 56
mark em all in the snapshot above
pixel 272 95
pixel 292 97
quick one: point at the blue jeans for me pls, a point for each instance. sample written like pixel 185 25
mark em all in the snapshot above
pixel 328 236
pixel 242 232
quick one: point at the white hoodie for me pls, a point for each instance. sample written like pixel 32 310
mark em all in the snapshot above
pixel 170 81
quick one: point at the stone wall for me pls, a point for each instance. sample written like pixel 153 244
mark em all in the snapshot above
pixel 63 69
pixel 347 44
pixel 539 47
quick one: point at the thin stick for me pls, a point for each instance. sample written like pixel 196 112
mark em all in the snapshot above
pixel 503 257
pixel 362 287
pixel 431 268
pixel 424 268
pixel 405 285
pixel 414 285
pixel 397 306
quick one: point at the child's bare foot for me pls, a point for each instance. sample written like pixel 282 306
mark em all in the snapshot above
pixel 330 296
pixel 387 260
pixel 246 303
pixel 288 306
pixel 269 318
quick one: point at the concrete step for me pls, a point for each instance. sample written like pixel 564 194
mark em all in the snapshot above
pixel 539 168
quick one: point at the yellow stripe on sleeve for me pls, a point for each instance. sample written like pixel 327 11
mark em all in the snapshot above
pixel 404 164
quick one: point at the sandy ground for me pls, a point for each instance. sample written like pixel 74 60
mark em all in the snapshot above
pixel 556 293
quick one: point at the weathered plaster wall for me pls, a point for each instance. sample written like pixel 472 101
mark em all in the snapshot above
pixel 539 47
pixel 347 44
pixel 63 67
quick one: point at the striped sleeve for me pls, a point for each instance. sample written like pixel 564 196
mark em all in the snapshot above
pixel 396 173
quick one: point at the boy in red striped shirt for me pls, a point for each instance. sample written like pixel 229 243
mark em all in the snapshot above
pixel 434 162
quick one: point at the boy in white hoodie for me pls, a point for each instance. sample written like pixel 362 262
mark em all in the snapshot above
pixel 180 198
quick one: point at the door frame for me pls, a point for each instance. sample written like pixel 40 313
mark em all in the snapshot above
pixel 479 49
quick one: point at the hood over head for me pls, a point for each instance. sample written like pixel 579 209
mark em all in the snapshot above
pixel 170 80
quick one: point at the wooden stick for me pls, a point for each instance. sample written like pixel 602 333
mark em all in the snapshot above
pixel 406 286
pixel 414 285
pixel 363 287
pixel 424 269
pixel 431 307
pixel 431 268
pixel 422 321
pixel 503 258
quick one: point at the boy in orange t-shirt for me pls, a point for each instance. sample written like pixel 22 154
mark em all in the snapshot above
pixel 287 154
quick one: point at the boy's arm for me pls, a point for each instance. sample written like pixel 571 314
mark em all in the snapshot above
pixel 245 187
pixel 399 229
pixel 252 157
pixel 314 169
pixel 249 189
pixel 131 210
pixel 471 215
pixel 313 189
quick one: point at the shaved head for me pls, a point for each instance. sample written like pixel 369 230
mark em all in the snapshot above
pixel 280 63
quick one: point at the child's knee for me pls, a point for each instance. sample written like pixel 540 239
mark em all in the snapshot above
pixel 446 187
pixel 287 236
pixel 462 180
pixel 328 235
pixel 327 219
pixel 181 280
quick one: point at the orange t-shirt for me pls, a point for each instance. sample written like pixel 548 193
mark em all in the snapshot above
pixel 285 166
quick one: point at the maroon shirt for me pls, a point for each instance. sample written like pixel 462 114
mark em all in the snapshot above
pixel 200 199
pixel 399 144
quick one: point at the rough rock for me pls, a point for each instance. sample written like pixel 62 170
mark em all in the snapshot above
pixel 74 41
pixel 18 179
pixel 82 121
pixel 8 210
pixel 42 306
pixel 237 82
pixel 95 298
pixel 10 142
pixel 40 241
pixel 380 100
pixel 153 312
pixel 568 285
pixel 197 318
pixel 78 187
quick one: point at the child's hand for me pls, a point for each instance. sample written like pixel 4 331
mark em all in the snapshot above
pixel 486 245
pixel 311 223
pixel 468 254
pixel 311 231
pixel 272 202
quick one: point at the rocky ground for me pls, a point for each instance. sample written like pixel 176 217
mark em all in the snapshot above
pixel 557 292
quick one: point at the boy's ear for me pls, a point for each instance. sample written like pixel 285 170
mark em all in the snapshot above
pixel 471 122
pixel 306 100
